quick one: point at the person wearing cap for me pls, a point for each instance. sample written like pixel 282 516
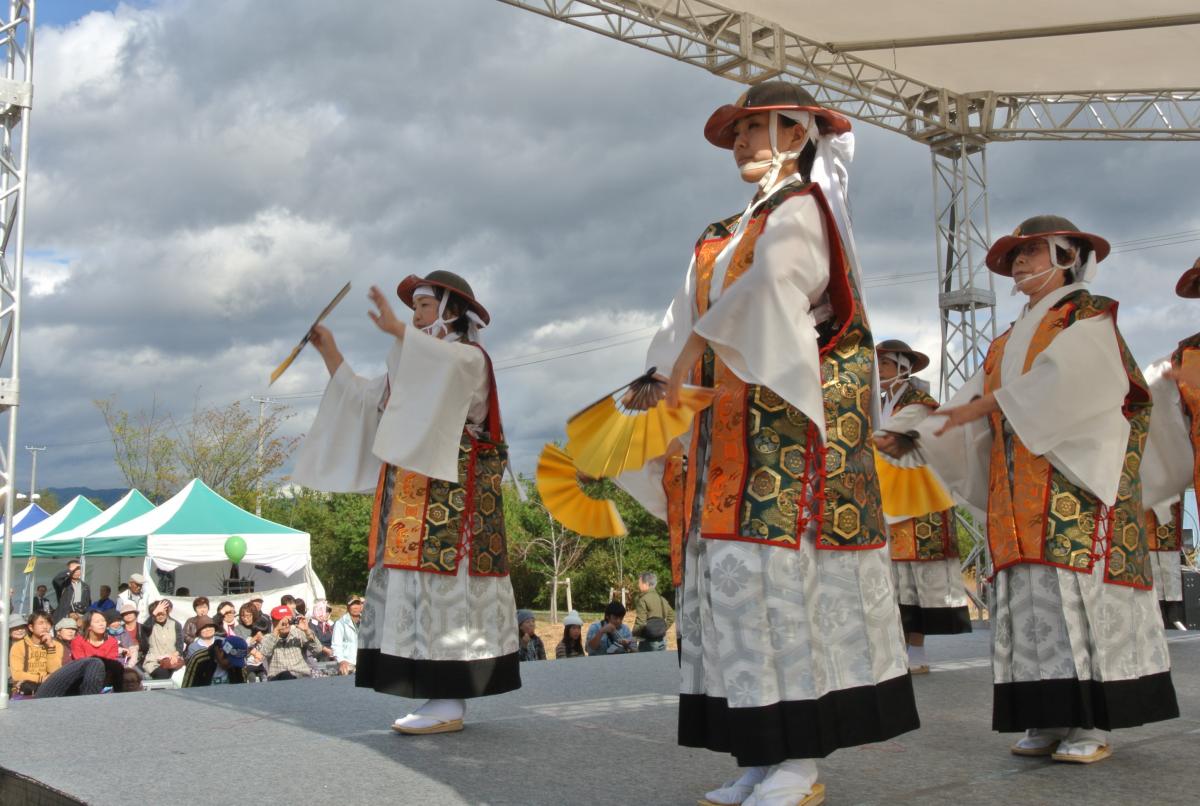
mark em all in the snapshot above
pixel 206 634
pixel 1172 460
pixel 284 648
pixel 925 564
pixel 200 607
pixel 134 594
pixel 224 661
pixel 786 510
pixel 532 647
pixel 439 623
pixel 1047 439
pixel 571 645
pixel 126 633
pixel 65 631
pixel 345 636
pixel 160 641
pixel 35 657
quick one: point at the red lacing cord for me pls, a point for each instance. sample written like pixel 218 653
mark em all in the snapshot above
pixel 1102 540
pixel 809 507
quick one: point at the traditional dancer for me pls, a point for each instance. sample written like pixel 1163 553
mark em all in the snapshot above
pixel 1172 460
pixel 925 564
pixel 789 635
pixel 440 619
pixel 1046 439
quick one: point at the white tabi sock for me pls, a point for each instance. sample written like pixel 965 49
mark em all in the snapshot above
pixel 1083 741
pixel 1037 738
pixel 735 792
pixel 785 784
pixel 433 712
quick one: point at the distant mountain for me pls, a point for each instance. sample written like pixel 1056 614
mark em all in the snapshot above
pixel 107 497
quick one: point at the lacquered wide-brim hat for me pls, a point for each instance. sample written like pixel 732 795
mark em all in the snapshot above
pixel 447 280
pixel 999 257
pixel 771 96
pixel 918 359
pixel 1189 284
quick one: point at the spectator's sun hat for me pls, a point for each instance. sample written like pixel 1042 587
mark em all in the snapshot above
pixel 573 619
pixel 280 613
pixel 204 621
pixel 17 621
pixel 354 600
pixel 524 616
pixel 128 607
pixel 112 616
pixel 66 624
pixel 137 579
pixel 256 599
pixel 234 647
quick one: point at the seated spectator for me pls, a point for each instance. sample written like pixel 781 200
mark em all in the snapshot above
pixel 571 645
pixel 126 647
pixel 127 637
pixel 654 615
pixel 65 631
pixel 321 626
pixel 95 642
pixel 223 662
pixel 531 647
pixel 133 594
pixel 248 629
pixel 283 649
pixel 206 634
pixel 288 601
pixel 262 622
pixel 200 606
pixel 345 636
pixel 36 657
pixel 226 619
pixel 18 626
pixel 160 640
pixel 85 676
pixel 610 636
pixel 105 601
pixel 41 602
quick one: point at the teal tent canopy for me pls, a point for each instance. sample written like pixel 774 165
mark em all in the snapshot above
pixel 78 542
pixel 78 511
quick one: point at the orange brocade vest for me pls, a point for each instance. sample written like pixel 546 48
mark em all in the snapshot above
pixel 769 474
pixel 1035 513
pixel 432 523
pixel 929 537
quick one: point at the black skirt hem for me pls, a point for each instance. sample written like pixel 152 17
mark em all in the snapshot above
pixel 935 620
pixel 436 679
pixel 772 734
pixel 1071 703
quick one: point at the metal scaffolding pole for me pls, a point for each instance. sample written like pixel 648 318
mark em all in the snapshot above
pixel 966 293
pixel 16 96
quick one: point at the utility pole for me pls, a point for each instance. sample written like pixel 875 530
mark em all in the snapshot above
pixel 262 411
pixel 34 450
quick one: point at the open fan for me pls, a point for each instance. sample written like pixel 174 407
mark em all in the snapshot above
pixel 610 437
pixel 558 484
pixel 910 492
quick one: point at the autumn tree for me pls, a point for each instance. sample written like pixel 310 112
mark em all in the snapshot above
pixel 143 447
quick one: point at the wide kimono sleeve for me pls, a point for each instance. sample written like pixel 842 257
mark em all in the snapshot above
pixel 432 383
pixel 1067 407
pixel 1167 462
pixel 762 325
pixel 961 457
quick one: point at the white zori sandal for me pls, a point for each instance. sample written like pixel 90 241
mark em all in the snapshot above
pixel 435 716
pixel 792 783
pixel 1083 746
pixel 732 793
pixel 1039 742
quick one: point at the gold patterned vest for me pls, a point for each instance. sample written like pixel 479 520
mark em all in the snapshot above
pixel 432 524
pixel 1035 513
pixel 1187 354
pixel 929 537
pixel 1164 536
pixel 769 474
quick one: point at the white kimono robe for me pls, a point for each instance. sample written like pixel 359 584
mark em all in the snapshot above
pixel 1166 470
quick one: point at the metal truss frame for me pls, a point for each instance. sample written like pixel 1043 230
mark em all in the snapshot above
pixel 748 49
pixel 16 96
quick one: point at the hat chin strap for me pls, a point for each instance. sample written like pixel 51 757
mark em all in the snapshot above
pixel 774 165
pixel 439 329
pixel 1053 243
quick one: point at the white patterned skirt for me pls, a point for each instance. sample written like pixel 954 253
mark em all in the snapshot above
pixel 932 596
pixel 1168 575
pixel 1071 650
pixel 789 653
pixel 437 636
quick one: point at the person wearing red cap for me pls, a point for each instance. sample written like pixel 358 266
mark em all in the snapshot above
pixel 925 564
pixel 1047 440
pixel 439 621
pixel 790 639
pixel 1172 460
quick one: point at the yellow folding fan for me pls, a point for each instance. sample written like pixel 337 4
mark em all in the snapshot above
pixel 609 437
pixel 910 492
pixel 558 484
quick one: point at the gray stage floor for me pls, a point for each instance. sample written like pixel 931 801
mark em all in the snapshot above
pixel 607 726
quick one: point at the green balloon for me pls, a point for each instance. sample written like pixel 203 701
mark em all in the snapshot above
pixel 235 548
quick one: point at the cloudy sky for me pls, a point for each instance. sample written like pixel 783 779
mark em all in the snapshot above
pixel 205 174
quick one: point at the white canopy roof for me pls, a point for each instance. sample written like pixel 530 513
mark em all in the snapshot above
pixel 1052 60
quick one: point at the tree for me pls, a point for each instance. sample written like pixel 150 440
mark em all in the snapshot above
pixel 48 501
pixel 339 527
pixel 143 448
pixel 222 446
pixel 536 539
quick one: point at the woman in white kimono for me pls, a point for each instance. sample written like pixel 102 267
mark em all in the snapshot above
pixel 789 634
pixel 1172 461
pixel 1047 439
pixel 439 622
pixel 925 564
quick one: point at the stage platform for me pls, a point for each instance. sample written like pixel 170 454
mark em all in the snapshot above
pixel 596 731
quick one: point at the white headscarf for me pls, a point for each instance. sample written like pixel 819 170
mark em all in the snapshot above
pixel 439 329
